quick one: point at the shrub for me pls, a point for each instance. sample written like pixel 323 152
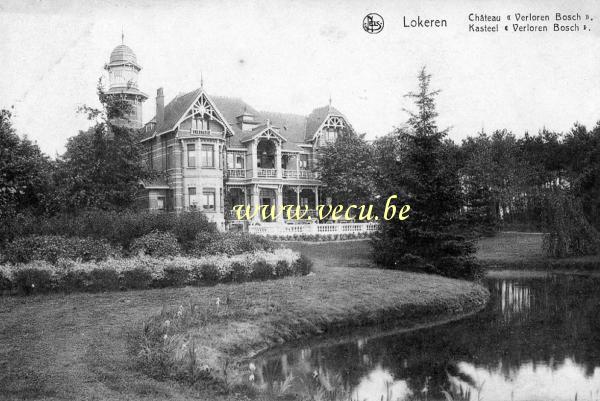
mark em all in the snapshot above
pixel 210 272
pixel 303 265
pixel 74 280
pixel 119 228
pixel 157 244
pixel 459 267
pixel 261 270
pixel 229 244
pixel 175 276
pixel 103 279
pixel 32 280
pixel 51 248
pixel 138 278
pixel 284 268
pixel 240 271
pixel 5 279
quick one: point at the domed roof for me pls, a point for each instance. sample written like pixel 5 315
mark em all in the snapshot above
pixel 122 54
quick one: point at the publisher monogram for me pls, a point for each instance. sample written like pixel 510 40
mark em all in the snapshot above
pixel 373 23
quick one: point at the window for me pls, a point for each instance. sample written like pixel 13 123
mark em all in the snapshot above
pixel 208 156
pixel 191 155
pixel 200 123
pixel 169 157
pixel 193 200
pixel 304 162
pixel 209 199
pixel 160 203
pixel 239 161
pixel 235 160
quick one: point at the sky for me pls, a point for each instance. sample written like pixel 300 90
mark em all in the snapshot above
pixel 291 56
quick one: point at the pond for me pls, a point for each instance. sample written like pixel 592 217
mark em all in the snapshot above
pixel 537 339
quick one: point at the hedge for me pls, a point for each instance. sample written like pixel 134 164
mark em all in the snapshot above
pixel 147 272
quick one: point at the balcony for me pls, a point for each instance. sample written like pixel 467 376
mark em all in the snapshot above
pixel 236 173
pixel 267 172
pixel 302 174
pixel 203 132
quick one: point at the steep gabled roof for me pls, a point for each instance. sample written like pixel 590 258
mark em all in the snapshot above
pixel 291 126
pixel 316 118
pixel 295 128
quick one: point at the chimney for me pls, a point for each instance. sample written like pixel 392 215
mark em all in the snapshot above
pixel 160 106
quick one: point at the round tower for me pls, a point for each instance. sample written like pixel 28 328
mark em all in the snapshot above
pixel 123 71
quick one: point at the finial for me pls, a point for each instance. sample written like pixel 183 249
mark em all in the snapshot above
pixel 268 122
pixel 122 36
pixel 330 101
pixel 201 80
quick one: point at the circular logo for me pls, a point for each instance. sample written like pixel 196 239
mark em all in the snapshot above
pixel 373 23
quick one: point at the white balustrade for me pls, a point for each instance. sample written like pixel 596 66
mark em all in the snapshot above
pixel 236 173
pixel 312 228
pixel 267 172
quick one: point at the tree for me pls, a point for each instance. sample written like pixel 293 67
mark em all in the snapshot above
pixel 103 166
pixel 346 168
pixel 24 172
pixel 428 180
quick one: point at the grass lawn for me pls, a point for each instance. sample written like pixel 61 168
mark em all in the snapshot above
pixel 76 346
pixel 522 251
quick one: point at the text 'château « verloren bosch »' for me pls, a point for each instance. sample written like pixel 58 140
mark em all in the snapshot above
pixel 529 22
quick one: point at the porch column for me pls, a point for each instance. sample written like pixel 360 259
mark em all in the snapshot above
pixel 298 195
pixel 278 160
pixel 297 165
pixel 254 158
pixel 316 197
pixel 279 203
pixel 255 202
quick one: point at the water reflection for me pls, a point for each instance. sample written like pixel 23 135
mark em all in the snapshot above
pixel 538 339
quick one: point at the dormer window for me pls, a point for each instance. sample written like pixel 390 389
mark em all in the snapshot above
pixel 200 123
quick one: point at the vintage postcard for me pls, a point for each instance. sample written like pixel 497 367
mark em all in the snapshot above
pixel 300 200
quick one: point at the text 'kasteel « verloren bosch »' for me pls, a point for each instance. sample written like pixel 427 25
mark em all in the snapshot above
pixel 530 22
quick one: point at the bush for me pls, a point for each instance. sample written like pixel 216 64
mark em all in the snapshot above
pixel 240 272
pixel 261 270
pixel 157 244
pixel 51 248
pixel 459 267
pixel 175 276
pixel 74 280
pixel 32 280
pixel 283 268
pixel 139 278
pixel 210 273
pixel 119 228
pixel 303 265
pixel 5 280
pixel 103 279
pixel 144 272
pixel 229 244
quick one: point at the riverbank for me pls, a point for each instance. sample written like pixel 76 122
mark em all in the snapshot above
pixel 79 346
pixel 203 335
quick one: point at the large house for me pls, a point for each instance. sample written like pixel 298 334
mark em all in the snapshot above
pixel 217 152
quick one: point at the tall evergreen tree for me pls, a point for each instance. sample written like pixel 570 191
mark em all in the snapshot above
pixel 103 166
pixel 428 180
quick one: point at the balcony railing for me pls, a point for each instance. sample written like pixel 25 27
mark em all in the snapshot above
pixel 200 132
pixel 236 173
pixel 327 229
pixel 305 174
pixel 267 172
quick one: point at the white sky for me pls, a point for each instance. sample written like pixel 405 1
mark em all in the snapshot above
pixel 289 56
